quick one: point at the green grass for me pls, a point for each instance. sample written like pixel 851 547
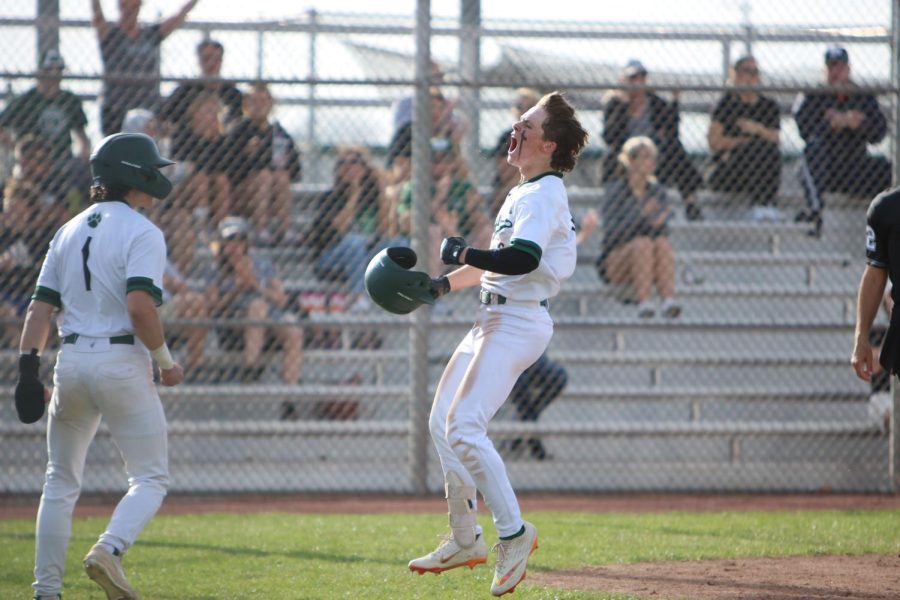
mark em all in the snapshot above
pixel 283 556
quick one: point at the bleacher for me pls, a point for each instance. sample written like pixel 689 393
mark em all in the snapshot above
pixel 749 389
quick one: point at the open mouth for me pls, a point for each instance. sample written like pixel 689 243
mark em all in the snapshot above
pixel 513 144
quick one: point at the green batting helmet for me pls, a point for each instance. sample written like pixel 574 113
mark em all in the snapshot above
pixel 131 160
pixel 393 286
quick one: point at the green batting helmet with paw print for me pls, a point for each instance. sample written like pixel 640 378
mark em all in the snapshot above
pixel 131 160
pixel 392 284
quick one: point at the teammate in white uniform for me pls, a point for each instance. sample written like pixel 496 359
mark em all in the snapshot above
pixel 103 272
pixel 532 252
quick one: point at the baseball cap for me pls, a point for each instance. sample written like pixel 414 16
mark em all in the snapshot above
pixel 836 54
pixel 634 67
pixel 52 60
pixel 232 227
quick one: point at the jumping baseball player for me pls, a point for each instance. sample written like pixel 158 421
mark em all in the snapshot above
pixel 103 273
pixel 532 252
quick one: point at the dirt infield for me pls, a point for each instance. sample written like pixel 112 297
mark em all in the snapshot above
pixel 868 577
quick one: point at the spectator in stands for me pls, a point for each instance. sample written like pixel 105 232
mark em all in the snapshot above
pixel 26 228
pixel 181 301
pixel 243 286
pixel 636 248
pixel 507 176
pixel 203 150
pixel 262 163
pixel 837 126
pixel 744 135
pixel 353 218
pixel 402 110
pixel 58 197
pixel 443 126
pixel 175 108
pixel 51 112
pixel 535 389
pixel 457 208
pixel 637 112
pixel 130 56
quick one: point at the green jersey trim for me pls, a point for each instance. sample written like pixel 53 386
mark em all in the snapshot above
pixel 527 247
pixel 45 294
pixel 144 284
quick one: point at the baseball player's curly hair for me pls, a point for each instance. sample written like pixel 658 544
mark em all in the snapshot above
pixel 561 126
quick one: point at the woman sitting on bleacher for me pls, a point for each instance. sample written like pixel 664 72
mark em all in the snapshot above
pixel 636 249
pixel 242 286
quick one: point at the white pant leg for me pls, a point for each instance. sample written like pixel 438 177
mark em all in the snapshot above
pixel 72 422
pixel 132 409
pixel 505 341
pixel 443 399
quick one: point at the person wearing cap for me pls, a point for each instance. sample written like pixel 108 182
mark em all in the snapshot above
pixel 131 59
pixel 244 286
pixel 744 134
pixel 48 111
pixel 837 126
pixel 636 112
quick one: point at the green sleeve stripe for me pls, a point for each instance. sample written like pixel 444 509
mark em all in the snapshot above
pixel 45 294
pixel 144 284
pixel 526 246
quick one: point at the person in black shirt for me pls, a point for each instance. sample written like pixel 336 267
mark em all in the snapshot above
pixel 837 128
pixel 175 107
pixel 262 163
pixel 638 112
pixel 130 56
pixel 743 135
pixel 882 243
pixel 48 111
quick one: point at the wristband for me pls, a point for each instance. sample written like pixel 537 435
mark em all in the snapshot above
pixel 163 357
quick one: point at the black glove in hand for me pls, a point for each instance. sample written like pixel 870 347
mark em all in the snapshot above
pixel 451 248
pixel 29 389
pixel 439 286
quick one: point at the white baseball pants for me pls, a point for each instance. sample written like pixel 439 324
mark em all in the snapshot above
pixel 94 378
pixel 505 340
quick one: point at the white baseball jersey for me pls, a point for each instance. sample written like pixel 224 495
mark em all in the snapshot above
pixel 535 218
pixel 93 261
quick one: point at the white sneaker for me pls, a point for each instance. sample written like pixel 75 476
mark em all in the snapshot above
pixel 512 560
pixel 450 555
pixel 107 572
pixel 645 310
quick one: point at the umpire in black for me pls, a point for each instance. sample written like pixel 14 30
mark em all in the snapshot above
pixel 883 255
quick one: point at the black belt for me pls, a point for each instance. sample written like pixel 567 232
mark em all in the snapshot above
pixel 486 297
pixel 116 339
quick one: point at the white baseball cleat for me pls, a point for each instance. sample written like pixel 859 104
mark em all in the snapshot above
pixel 450 555
pixel 512 560
pixel 107 572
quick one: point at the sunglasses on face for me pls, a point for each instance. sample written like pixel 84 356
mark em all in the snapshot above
pixel 748 70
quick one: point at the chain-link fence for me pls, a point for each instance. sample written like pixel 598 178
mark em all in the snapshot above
pixel 702 344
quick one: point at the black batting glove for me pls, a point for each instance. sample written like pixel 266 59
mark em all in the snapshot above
pixel 451 248
pixel 439 286
pixel 29 389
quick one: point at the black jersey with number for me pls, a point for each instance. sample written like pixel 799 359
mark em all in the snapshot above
pixel 883 250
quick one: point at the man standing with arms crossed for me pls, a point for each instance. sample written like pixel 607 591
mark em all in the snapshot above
pixel 103 273
pixel 532 253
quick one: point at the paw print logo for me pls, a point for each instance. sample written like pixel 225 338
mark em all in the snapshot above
pixel 94 220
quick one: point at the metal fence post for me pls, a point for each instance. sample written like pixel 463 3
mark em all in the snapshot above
pixel 469 61
pixel 893 441
pixel 421 184
pixel 47 27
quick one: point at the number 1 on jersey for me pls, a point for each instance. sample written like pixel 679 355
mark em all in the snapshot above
pixel 85 253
